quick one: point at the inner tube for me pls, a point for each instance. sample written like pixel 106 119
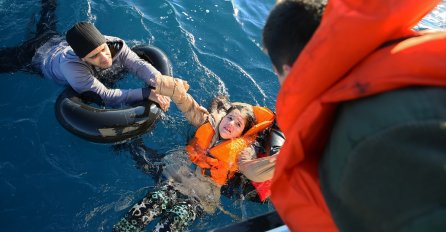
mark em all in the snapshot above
pixel 111 125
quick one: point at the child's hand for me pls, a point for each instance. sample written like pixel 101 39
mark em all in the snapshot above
pixel 247 154
pixel 163 101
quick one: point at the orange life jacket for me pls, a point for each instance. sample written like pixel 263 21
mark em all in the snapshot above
pixel 344 61
pixel 220 162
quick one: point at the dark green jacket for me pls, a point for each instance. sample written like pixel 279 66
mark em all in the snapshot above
pixel 387 154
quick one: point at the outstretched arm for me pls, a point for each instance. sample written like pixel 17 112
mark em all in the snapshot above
pixel 262 169
pixel 177 90
pixel 136 65
pixel 80 77
pixel 256 169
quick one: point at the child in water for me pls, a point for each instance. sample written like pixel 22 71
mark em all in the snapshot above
pixel 222 135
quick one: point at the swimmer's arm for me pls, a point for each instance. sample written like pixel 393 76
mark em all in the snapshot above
pixel 196 114
pixel 176 89
pixel 79 77
pixel 142 69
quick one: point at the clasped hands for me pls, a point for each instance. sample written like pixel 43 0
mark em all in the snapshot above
pixel 168 87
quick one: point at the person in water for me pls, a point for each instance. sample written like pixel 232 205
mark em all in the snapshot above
pixel 362 105
pixel 222 135
pixel 83 60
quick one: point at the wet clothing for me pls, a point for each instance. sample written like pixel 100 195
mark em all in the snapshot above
pixel 186 192
pixel 47 53
pixel 260 164
pixel 58 62
pixel 255 169
pixel 177 211
pixel 338 68
pixel 219 162
pixel 178 200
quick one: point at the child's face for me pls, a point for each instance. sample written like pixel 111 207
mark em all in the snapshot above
pixel 232 125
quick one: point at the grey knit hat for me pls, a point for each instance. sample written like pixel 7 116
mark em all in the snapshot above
pixel 83 38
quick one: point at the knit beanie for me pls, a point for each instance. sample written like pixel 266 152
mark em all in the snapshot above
pixel 83 38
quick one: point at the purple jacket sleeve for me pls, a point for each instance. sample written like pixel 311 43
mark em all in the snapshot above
pixel 137 66
pixel 80 77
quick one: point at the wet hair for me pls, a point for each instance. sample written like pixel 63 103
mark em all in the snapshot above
pixel 289 27
pixel 247 113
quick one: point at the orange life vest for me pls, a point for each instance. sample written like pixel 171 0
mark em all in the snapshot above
pixel 220 162
pixel 343 62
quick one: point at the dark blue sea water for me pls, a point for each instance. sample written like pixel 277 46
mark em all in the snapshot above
pixel 51 180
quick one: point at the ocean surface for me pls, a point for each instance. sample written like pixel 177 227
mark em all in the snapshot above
pixel 51 180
